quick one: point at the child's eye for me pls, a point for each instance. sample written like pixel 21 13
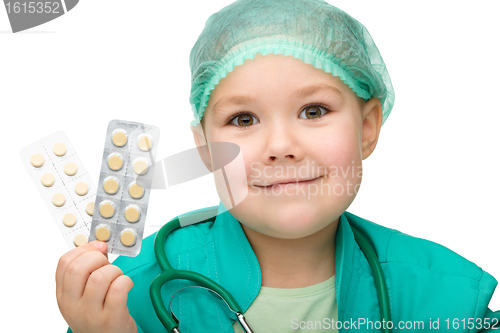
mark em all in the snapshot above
pixel 243 119
pixel 312 112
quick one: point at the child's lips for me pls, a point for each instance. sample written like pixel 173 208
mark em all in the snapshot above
pixel 291 183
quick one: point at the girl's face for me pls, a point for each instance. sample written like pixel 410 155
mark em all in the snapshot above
pixel 293 122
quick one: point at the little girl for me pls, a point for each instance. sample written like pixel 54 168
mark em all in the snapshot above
pixel 301 88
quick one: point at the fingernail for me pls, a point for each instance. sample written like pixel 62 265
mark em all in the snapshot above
pixel 99 245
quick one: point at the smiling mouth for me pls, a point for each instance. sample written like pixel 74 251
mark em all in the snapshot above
pixel 291 183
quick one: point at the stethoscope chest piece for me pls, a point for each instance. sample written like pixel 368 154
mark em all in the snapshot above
pixel 241 319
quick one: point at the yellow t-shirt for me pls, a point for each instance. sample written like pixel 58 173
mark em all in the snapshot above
pixel 308 309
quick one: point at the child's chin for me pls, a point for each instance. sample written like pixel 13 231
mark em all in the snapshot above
pixel 291 230
pixel 289 220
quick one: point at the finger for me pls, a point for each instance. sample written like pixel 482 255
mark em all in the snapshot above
pixel 71 255
pixel 117 294
pixel 98 285
pixel 78 271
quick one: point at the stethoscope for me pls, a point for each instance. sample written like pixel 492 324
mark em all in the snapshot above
pixel 171 322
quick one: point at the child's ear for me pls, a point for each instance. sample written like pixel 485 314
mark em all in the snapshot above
pixel 202 145
pixel 372 122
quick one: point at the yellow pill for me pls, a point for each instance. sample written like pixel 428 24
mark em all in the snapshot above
pixel 115 162
pixel 70 169
pixel 107 210
pixel 37 160
pixel 80 239
pixel 119 139
pixel 69 219
pixel 102 233
pixel 136 191
pixel 59 149
pixel 145 143
pixel 58 199
pixel 81 188
pixel 132 214
pixel 140 167
pixel 127 238
pixel 111 186
pixel 90 208
pixel 48 180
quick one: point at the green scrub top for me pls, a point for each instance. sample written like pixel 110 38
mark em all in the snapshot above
pixel 427 283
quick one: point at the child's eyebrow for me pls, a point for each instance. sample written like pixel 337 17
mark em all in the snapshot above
pixel 299 93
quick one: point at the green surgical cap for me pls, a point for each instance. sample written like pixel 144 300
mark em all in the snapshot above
pixel 311 30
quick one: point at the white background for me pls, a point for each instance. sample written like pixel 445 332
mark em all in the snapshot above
pixel 434 173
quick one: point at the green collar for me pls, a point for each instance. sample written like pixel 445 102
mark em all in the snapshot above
pixel 238 268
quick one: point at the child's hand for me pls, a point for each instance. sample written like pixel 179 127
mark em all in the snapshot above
pixel 92 293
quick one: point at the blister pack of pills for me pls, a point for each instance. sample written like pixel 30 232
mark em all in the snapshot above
pixel 124 186
pixel 65 185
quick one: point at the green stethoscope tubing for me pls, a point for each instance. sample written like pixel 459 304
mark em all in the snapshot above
pixel 169 273
pixel 383 296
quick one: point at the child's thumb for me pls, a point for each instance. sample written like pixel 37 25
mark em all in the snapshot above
pixel 101 247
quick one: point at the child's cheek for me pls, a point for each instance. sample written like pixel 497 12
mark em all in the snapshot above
pixel 342 160
pixel 231 179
